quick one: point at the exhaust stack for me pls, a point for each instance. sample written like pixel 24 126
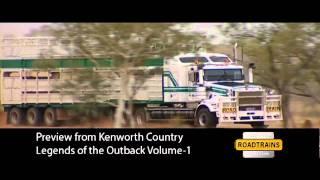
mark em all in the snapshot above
pixel 250 71
pixel 235 55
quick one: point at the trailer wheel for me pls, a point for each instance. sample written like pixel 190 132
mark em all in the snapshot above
pixel 140 116
pixel 16 116
pixel 205 118
pixel 258 125
pixel 33 116
pixel 50 117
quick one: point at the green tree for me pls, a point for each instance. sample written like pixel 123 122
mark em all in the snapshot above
pixel 129 44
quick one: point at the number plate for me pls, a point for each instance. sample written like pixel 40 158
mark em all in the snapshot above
pixel 273 109
pixel 229 110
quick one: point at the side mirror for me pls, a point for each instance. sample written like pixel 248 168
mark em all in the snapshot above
pixel 191 76
pixel 200 76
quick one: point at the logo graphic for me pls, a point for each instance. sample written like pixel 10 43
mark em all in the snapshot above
pixel 258 145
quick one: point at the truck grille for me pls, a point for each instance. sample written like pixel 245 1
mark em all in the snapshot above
pixel 251 93
pixel 250 99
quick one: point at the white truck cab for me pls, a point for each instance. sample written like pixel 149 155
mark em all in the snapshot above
pixel 228 97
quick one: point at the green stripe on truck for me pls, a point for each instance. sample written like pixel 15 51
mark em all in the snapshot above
pixel 179 89
pixel 68 63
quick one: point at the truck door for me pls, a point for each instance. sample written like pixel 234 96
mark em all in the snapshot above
pixel 197 94
pixel 170 88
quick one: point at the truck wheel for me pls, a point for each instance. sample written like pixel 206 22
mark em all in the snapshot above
pixel 140 116
pixel 258 125
pixel 33 116
pixel 205 118
pixel 16 116
pixel 50 117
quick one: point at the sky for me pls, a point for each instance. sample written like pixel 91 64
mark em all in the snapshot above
pixel 20 29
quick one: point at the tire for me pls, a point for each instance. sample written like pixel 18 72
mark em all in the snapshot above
pixel 258 125
pixel 16 116
pixel 140 116
pixel 50 117
pixel 205 118
pixel 33 116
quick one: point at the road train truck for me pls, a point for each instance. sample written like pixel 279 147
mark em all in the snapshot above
pixel 206 88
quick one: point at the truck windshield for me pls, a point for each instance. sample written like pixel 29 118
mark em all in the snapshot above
pixel 223 75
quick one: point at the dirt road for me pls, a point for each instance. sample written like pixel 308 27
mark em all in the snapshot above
pixel 104 123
